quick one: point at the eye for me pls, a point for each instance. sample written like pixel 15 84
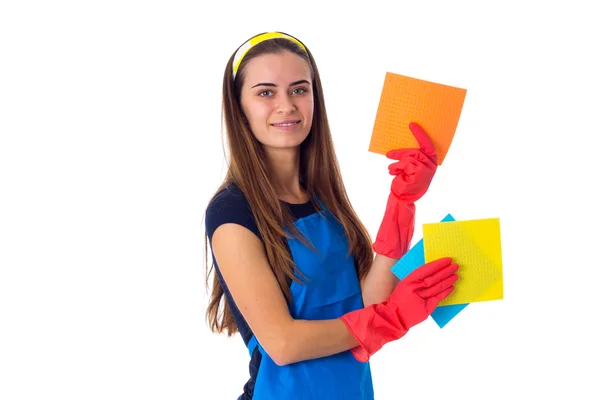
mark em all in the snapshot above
pixel 299 90
pixel 265 93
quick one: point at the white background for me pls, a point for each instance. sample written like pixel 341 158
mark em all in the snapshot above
pixel 110 147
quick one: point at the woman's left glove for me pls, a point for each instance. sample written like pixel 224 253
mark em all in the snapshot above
pixel 413 172
pixel 414 168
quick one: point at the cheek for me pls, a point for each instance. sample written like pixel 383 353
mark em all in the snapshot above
pixel 309 108
pixel 257 113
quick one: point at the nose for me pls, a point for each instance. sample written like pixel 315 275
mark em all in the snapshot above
pixel 286 105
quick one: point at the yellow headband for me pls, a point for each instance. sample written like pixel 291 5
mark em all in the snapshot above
pixel 243 50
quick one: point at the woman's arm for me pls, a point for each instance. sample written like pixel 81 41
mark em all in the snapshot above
pixel 413 170
pixel 243 263
pixel 380 282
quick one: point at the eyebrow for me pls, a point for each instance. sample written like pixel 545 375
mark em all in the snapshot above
pixel 274 85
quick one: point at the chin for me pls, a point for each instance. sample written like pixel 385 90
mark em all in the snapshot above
pixel 289 140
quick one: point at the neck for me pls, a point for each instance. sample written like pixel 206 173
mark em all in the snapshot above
pixel 284 166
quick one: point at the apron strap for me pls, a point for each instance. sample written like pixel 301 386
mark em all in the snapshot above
pixel 252 344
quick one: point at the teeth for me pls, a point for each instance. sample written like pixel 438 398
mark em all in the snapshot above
pixel 288 124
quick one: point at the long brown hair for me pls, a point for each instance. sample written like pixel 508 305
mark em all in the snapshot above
pixel 319 174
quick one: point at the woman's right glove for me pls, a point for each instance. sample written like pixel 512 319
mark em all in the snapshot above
pixel 411 302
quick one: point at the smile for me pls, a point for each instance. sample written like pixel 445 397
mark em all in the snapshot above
pixel 286 124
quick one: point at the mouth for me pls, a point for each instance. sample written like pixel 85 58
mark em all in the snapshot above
pixel 286 124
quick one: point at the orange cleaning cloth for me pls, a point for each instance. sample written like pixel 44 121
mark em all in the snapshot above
pixel 434 106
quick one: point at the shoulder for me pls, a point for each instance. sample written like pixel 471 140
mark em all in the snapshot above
pixel 229 205
pixel 228 199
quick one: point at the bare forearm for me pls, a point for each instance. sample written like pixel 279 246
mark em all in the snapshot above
pixel 307 340
pixel 380 281
pixel 313 339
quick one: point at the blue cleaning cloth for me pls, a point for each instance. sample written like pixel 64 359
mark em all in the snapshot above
pixel 413 259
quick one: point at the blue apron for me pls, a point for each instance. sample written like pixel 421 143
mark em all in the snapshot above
pixel 332 289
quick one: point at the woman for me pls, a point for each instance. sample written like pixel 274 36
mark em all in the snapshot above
pixel 295 268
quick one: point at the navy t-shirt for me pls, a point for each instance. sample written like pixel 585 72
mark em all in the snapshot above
pixel 230 206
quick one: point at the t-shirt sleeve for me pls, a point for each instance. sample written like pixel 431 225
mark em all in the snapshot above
pixel 229 206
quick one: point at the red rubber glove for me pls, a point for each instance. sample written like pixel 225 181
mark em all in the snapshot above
pixel 411 302
pixel 413 170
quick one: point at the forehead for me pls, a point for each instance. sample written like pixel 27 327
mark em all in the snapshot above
pixel 281 68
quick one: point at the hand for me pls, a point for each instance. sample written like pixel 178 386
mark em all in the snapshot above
pixel 414 168
pixel 411 302
pixel 420 292
pixel 414 171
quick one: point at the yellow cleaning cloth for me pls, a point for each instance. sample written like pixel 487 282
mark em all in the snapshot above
pixel 475 246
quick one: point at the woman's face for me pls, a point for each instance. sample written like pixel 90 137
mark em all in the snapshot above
pixel 277 99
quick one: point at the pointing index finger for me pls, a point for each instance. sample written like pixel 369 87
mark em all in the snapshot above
pixel 422 138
